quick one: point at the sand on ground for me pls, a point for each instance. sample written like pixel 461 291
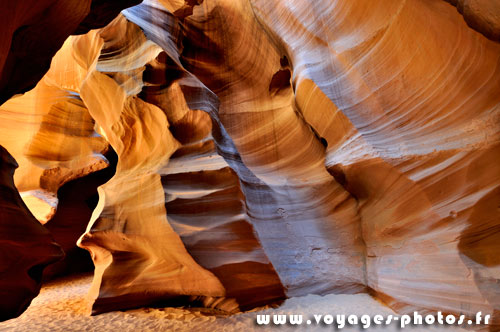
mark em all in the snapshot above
pixel 62 306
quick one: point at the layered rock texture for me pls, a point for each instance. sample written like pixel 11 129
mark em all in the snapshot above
pixel 33 31
pixel 270 149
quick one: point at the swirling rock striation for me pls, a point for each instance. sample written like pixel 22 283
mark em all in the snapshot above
pixel 48 131
pixel 272 149
pixel 145 133
pixel 39 27
pixel 419 120
pixel 382 133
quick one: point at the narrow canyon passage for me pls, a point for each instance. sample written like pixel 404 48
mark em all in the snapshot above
pixel 228 155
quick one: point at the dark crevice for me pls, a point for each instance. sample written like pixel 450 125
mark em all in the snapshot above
pixel 77 200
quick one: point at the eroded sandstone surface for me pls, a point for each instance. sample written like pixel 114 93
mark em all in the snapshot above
pixel 26 247
pixel 275 149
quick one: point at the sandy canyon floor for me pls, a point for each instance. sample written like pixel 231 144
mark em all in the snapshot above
pixel 61 306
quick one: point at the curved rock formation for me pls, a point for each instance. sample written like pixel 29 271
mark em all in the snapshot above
pixel 26 247
pixel 76 201
pixel 45 125
pixel 388 127
pixel 132 204
pixel 51 133
pixel 48 131
pixel 40 27
pixel 418 122
pixel 272 149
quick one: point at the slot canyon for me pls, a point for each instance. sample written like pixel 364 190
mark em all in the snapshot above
pixel 195 162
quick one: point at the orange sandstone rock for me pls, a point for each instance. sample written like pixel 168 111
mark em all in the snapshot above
pixel 271 149
pixel 26 247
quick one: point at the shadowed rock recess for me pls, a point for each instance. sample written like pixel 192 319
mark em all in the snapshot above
pixel 264 150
